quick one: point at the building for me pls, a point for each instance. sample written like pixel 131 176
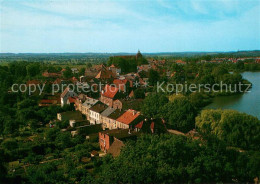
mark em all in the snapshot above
pixel 122 84
pixel 115 70
pixel 105 74
pixel 104 116
pixel 54 75
pixel 88 103
pixel 65 95
pixel 109 94
pixel 145 68
pixel 135 57
pixel 109 122
pixel 95 113
pixel 74 70
pixel 107 138
pixel 129 119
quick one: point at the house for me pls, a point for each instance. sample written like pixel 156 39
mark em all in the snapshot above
pixel 90 73
pixel 54 75
pixel 129 119
pixel 88 103
pixel 65 95
pixel 94 153
pixel 145 68
pixel 109 122
pixel 117 104
pixel 115 70
pixel 74 70
pixel 48 102
pixel 71 100
pixel 109 94
pixel 95 113
pixel 104 116
pixel 79 101
pixel 105 74
pixel 131 94
pixel 151 126
pixel 116 147
pixel 180 62
pixel 122 84
pixel 32 82
pixel 107 138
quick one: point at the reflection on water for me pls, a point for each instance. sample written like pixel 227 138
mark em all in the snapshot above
pixel 248 102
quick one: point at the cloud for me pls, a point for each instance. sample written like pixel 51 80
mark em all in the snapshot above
pixel 114 26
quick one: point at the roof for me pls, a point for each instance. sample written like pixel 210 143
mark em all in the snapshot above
pixel 99 107
pixel 107 111
pixel 115 148
pixel 104 74
pixel 131 94
pixel 32 82
pixel 114 115
pixel 110 91
pixel 64 92
pixel 89 102
pixel 139 125
pixel 120 81
pixel 121 134
pixel 128 117
pixel 94 153
pixel 72 100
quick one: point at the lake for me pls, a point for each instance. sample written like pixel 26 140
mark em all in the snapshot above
pixel 248 102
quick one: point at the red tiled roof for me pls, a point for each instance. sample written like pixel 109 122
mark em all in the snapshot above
pixel 180 62
pixel 48 101
pixel 104 74
pixel 110 91
pixel 139 125
pixel 152 125
pixel 120 81
pixel 32 82
pixel 64 92
pixel 72 100
pixel 128 116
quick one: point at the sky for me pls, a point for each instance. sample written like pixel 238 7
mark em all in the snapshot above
pixel 57 26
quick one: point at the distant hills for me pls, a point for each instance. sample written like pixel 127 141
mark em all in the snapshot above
pixel 252 53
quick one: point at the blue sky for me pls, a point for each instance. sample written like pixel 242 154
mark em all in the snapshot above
pixel 48 26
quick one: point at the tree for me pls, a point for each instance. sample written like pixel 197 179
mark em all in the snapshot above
pixel 139 93
pixel 179 114
pixel 33 69
pixel 82 71
pixel 153 103
pixel 235 128
pixel 67 73
pixel 153 77
pixel 172 159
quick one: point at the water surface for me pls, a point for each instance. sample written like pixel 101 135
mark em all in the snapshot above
pixel 247 102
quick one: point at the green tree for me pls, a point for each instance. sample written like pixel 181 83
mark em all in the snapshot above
pixel 153 77
pixel 153 104
pixel 179 114
pixel 67 73
pixel 237 129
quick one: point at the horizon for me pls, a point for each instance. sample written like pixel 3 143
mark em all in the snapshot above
pixel 124 27
pixel 132 52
